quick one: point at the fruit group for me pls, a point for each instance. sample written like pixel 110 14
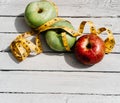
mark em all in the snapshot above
pixel 89 49
pixel 39 12
pixel 54 38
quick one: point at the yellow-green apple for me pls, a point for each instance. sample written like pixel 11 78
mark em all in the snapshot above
pixel 89 49
pixel 39 12
pixel 54 37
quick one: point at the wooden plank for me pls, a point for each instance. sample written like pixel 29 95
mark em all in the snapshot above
pixel 60 83
pixel 32 98
pixel 57 62
pixel 7 38
pixel 17 24
pixel 13 24
pixel 94 99
pixel 59 98
pixel 71 8
pixel 58 77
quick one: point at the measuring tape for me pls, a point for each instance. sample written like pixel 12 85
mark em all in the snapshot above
pixel 109 41
pixel 21 47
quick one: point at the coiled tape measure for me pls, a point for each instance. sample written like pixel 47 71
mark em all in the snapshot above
pixel 21 47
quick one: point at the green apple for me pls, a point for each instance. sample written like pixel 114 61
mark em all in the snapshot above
pixel 54 38
pixel 39 12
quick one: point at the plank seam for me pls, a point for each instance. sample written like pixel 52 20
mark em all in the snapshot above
pixel 54 71
pixel 117 16
pixel 57 93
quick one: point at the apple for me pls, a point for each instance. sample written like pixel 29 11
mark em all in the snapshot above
pixel 39 12
pixel 54 38
pixel 89 49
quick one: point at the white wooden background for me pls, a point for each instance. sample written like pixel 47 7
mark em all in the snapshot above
pixel 58 77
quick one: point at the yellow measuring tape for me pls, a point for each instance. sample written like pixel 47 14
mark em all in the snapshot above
pixel 21 47
pixel 109 41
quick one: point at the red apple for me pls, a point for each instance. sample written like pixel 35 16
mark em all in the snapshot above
pixel 89 49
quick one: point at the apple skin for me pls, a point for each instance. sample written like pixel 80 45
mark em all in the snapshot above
pixel 89 49
pixel 39 12
pixel 54 39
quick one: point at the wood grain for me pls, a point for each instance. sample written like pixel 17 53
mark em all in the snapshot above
pixel 18 24
pixel 58 77
pixel 60 83
pixel 32 98
pixel 92 99
pixel 59 98
pixel 71 8
pixel 7 38
pixel 57 62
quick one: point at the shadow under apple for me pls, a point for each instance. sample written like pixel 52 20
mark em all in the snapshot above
pixel 21 27
pixel 72 61
pixel 20 24
pixel 69 58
